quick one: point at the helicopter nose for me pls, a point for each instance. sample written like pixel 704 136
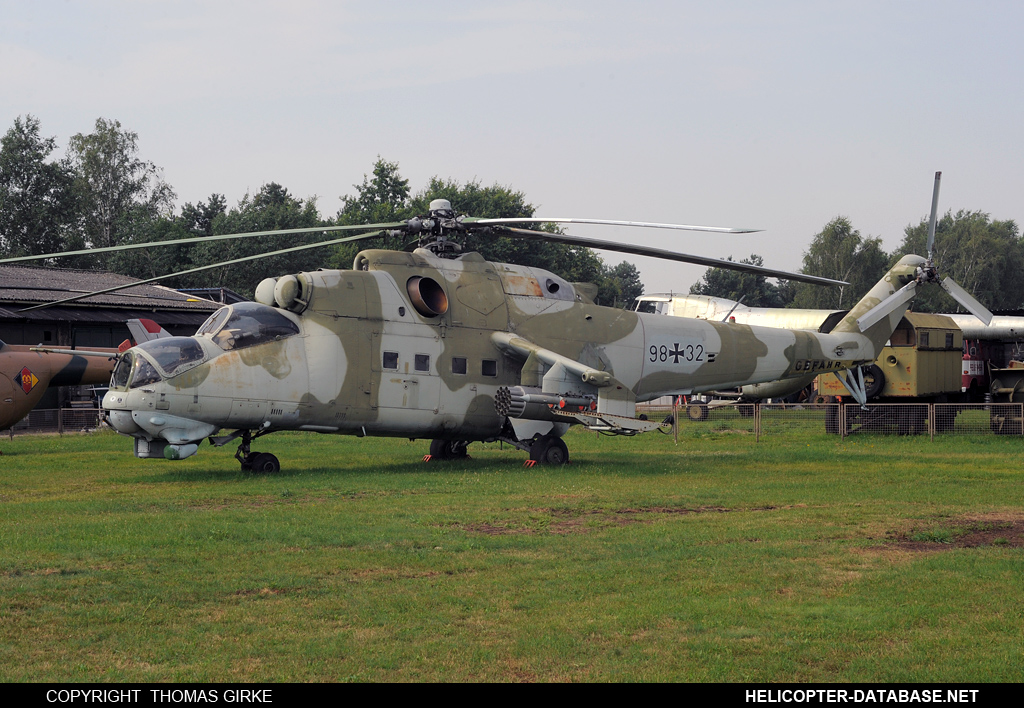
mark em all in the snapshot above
pixel 122 422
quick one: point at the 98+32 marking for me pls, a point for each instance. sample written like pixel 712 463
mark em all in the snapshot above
pixel 686 352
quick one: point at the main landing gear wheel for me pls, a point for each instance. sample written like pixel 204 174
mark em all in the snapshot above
pixel 261 463
pixel 264 463
pixel 449 449
pixel 549 450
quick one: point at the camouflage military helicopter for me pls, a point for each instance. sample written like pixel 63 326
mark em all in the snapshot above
pixel 447 346
pixel 26 372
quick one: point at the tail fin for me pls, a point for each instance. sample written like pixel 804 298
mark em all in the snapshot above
pixel 144 330
pixel 879 311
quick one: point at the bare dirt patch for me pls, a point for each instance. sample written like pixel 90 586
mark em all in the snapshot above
pixel 975 532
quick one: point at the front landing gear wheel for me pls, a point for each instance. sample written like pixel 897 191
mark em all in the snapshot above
pixel 549 450
pixel 264 463
pixel 449 449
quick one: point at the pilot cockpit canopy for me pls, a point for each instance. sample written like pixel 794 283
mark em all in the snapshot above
pixel 247 324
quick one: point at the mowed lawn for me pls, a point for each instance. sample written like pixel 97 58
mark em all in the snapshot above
pixel 797 558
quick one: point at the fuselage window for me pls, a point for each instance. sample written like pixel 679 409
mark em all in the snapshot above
pixel 390 360
pixel 458 365
pixel 489 367
pixel 422 362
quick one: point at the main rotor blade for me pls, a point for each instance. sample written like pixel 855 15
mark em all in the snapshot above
pixel 931 220
pixel 293 249
pixel 200 239
pixel 887 306
pixel 672 256
pixel 607 222
pixel 966 299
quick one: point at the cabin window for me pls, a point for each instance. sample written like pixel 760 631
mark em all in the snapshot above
pixel 122 370
pixel 459 365
pixel 924 339
pixel 214 321
pixel 250 324
pixel 489 367
pixel 390 360
pixel 422 362
pixel 171 353
pixel 949 340
pixel 145 373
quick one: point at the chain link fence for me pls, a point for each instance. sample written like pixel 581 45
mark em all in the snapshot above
pixel 58 420
pixel 846 419
pixel 753 419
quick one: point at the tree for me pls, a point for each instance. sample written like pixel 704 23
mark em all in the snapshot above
pixel 37 201
pixel 753 289
pixel 272 208
pixel 985 257
pixel 839 252
pixel 117 190
pixel 620 285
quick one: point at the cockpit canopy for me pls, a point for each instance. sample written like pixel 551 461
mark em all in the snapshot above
pixel 246 324
pixel 170 353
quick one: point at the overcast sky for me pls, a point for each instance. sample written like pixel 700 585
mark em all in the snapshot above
pixel 774 115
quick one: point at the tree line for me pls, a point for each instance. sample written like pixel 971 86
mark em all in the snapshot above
pixel 102 193
pixel 983 255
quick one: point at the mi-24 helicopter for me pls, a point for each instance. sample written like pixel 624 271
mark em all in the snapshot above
pixel 447 346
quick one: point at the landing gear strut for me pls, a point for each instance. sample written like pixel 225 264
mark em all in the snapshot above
pixel 258 462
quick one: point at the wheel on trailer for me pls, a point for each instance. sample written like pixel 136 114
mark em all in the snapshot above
pixel 874 380
pixel 549 450
pixel 697 411
pixel 449 449
pixel 264 463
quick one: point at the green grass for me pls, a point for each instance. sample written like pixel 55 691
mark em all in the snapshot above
pixel 797 558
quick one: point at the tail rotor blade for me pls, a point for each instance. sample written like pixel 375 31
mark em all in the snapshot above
pixel 931 220
pixel 887 306
pixel 966 299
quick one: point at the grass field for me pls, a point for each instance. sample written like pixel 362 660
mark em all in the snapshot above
pixel 797 558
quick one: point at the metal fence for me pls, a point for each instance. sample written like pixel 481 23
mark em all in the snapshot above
pixel 754 419
pixel 58 420
pixel 847 419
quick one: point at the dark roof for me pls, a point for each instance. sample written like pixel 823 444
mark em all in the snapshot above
pixel 22 286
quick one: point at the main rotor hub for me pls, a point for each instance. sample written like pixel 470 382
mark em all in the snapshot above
pixel 432 232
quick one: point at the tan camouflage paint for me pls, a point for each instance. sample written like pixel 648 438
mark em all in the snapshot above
pixel 331 376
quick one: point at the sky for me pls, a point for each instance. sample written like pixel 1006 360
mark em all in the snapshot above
pixel 772 115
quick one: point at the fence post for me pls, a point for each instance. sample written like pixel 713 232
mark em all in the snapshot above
pixel 675 420
pixel 757 422
pixel 931 422
pixel 60 421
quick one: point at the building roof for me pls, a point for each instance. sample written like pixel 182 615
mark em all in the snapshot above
pixel 24 286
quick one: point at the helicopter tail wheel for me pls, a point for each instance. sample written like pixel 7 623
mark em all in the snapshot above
pixel 263 463
pixel 449 449
pixel 549 450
